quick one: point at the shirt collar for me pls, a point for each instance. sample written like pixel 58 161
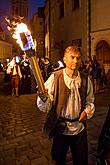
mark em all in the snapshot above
pixel 68 80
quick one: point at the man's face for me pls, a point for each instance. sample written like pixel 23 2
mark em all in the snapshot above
pixel 24 56
pixel 72 60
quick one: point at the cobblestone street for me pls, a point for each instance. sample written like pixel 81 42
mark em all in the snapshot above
pixel 22 141
pixel 21 137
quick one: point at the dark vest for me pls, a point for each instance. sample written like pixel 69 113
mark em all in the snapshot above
pixel 61 94
pixel 61 91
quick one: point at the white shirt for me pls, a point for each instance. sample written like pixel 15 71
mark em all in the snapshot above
pixel 14 70
pixel 73 128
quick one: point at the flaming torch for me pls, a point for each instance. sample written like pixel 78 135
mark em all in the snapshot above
pixel 23 37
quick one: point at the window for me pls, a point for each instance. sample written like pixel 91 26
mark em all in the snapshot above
pixel 61 9
pixel 75 4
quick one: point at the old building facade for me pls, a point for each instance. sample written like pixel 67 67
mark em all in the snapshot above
pixel 100 32
pixel 37 29
pixel 19 8
pixel 82 22
pixel 66 23
pixel 5 47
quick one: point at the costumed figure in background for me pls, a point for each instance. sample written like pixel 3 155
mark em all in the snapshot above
pixel 26 75
pixel 15 74
pixel 46 68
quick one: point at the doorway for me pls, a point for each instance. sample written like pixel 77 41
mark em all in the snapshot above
pixel 103 52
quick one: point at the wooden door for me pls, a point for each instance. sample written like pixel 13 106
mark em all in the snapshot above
pixel 103 52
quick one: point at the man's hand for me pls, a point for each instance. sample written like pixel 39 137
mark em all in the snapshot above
pixel 83 116
pixel 43 96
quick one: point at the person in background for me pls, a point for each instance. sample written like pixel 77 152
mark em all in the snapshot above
pixel 103 80
pixel 46 68
pixel 89 68
pixel 69 99
pixel 96 76
pixel 26 75
pixel 82 66
pixel 1 67
pixel 15 74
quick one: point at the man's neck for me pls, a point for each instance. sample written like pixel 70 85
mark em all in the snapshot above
pixel 71 73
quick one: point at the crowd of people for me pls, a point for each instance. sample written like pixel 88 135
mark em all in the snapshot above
pixel 46 67
pixel 20 74
pixel 96 72
pixel 91 66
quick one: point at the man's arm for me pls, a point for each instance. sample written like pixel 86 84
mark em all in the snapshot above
pixel 89 108
pixel 49 86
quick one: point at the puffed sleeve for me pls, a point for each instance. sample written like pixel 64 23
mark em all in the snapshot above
pixel 49 85
pixel 90 108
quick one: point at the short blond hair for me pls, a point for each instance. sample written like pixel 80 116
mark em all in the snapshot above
pixel 75 49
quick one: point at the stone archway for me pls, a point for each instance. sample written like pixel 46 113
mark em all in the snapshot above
pixel 103 52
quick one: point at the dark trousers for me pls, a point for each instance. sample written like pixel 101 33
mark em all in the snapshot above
pixel 78 145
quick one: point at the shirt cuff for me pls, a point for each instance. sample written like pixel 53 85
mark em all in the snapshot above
pixel 89 110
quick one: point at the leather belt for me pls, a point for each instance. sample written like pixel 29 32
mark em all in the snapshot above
pixel 69 120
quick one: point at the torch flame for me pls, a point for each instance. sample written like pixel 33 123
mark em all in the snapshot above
pixel 18 28
pixel 22 28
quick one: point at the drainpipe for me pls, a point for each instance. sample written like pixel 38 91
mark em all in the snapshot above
pixel 44 29
pixel 89 26
pixel 50 30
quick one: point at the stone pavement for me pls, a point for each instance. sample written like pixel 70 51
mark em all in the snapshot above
pixel 22 141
